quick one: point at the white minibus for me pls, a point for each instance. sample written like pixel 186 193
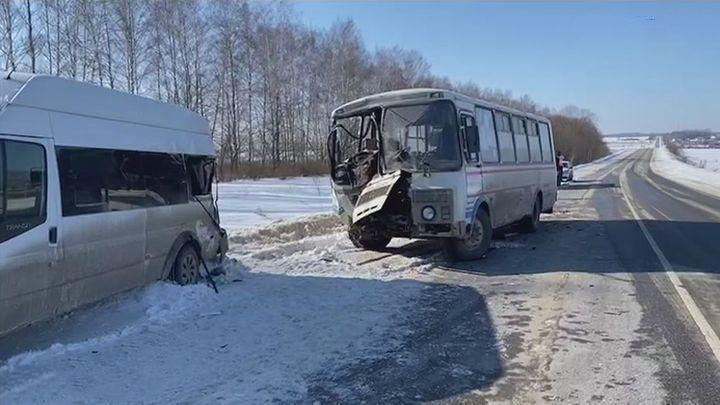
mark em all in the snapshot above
pixel 100 192
pixel 430 163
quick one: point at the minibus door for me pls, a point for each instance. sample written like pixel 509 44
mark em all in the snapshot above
pixel 30 258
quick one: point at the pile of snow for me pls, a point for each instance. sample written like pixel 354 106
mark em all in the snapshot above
pixel 247 203
pixel 665 164
pixel 704 158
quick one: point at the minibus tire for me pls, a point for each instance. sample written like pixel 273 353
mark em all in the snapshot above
pixel 531 223
pixel 186 269
pixel 461 250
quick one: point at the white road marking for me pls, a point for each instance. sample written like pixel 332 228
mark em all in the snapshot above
pixel 710 337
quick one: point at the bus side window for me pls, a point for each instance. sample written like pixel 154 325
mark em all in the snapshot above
pixel 521 142
pixel 545 142
pixel 488 141
pixel 534 141
pixel 472 152
pixel 505 137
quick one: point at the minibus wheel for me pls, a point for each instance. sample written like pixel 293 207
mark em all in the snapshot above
pixel 477 243
pixel 186 269
pixel 531 223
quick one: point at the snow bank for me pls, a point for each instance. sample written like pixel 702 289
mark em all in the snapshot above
pixel 247 203
pixel 708 159
pixel 665 164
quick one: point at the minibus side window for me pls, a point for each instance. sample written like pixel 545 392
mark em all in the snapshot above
pixel 102 180
pixel 201 171
pixel 545 141
pixel 23 181
pixel 521 142
pixel 534 141
pixel 505 137
pixel 488 141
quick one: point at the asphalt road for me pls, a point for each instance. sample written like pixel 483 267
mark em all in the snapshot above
pixel 615 300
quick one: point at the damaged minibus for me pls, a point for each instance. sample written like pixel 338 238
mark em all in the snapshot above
pixel 430 163
pixel 100 192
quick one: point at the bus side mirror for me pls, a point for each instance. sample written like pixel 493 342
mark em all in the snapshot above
pixel 472 135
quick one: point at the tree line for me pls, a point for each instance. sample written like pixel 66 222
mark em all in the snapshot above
pixel 265 81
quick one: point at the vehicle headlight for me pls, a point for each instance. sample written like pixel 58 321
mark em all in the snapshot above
pixel 428 213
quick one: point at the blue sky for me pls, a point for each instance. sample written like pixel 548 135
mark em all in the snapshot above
pixel 635 73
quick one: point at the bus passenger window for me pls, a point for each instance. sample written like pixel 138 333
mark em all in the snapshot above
pixel 534 141
pixel 505 137
pixel 488 141
pixel 22 188
pixel 521 142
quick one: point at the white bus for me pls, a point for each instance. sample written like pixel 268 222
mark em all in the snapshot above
pixel 432 163
pixel 100 192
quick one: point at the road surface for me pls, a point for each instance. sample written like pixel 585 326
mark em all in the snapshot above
pixel 586 310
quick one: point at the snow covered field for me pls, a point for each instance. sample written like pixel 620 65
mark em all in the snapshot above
pixel 246 203
pixel 704 158
pixel 632 142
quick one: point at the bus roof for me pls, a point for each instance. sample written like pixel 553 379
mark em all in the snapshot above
pixel 413 95
pixel 81 114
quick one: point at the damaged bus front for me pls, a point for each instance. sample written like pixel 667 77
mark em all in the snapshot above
pixel 408 164
pixel 396 170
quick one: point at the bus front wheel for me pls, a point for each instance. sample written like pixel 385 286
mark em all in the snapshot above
pixel 365 237
pixel 475 245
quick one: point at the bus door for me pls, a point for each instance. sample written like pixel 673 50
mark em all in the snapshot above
pixel 473 171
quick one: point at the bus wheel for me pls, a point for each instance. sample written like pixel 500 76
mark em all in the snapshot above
pixel 475 245
pixel 186 269
pixel 365 238
pixel 531 223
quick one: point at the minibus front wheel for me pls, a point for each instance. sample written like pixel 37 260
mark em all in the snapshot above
pixel 186 269
pixel 475 245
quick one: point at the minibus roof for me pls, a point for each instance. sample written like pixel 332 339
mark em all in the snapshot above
pixel 407 96
pixel 80 114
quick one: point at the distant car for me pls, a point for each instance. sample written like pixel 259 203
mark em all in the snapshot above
pixel 567 170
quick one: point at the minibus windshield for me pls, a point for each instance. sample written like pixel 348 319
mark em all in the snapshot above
pixel 421 137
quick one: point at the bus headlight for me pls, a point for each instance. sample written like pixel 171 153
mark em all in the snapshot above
pixel 428 213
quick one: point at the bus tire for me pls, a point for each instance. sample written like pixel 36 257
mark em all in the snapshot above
pixel 531 223
pixel 476 245
pixel 186 269
pixel 364 238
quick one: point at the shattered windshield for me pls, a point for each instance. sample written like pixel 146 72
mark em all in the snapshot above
pixel 421 137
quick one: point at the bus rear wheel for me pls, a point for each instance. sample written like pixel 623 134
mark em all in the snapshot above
pixel 531 223
pixel 186 269
pixel 475 245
